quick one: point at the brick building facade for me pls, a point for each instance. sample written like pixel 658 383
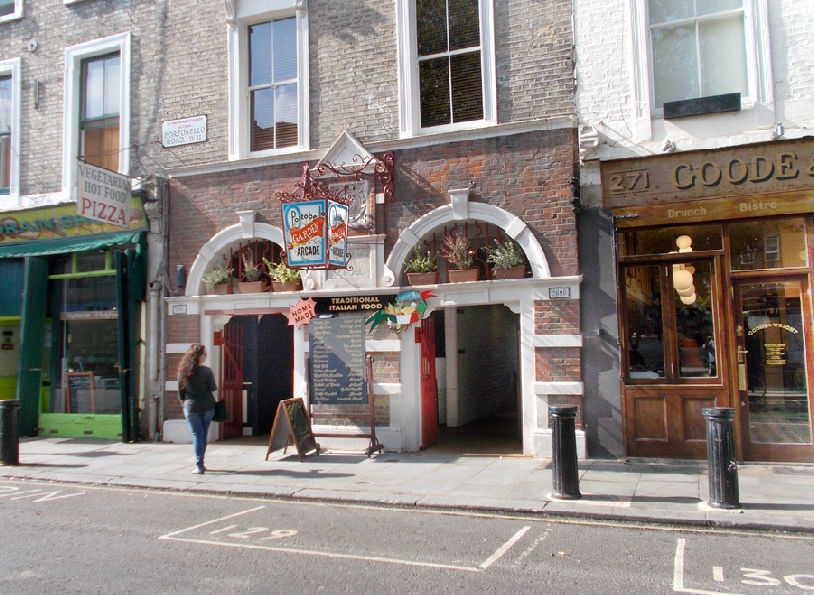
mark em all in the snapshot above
pixel 501 167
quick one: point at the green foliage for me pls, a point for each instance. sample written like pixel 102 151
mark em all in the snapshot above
pixel 220 275
pixel 456 250
pixel 505 255
pixel 251 270
pixel 419 263
pixel 281 272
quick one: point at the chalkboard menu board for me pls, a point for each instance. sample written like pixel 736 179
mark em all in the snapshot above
pixel 79 392
pixel 337 362
pixel 292 425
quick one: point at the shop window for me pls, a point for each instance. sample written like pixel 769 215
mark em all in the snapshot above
pixel 269 107
pixel 637 242
pixel 768 244
pixel 446 56
pixel 669 322
pixel 9 125
pixel 99 118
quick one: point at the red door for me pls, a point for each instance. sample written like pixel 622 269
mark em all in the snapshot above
pixel 429 386
pixel 231 377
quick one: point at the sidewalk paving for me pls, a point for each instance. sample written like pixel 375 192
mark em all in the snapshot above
pixel 773 496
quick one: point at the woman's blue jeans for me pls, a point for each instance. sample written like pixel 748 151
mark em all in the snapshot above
pixel 199 426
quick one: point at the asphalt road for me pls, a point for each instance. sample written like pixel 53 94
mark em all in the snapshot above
pixel 58 538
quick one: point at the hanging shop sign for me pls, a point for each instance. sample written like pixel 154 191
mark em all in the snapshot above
pixel 316 233
pixel 61 221
pixel 103 195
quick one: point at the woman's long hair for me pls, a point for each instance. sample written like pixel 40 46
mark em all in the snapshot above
pixel 189 363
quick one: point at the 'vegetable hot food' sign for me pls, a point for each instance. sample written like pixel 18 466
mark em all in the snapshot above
pixel 315 233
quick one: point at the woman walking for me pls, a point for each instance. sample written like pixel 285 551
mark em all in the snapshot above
pixel 196 383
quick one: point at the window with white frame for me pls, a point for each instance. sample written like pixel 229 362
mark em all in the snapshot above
pixel 446 59
pixel 97 107
pixel 9 127
pixel 10 10
pixel 699 48
pixel 269 62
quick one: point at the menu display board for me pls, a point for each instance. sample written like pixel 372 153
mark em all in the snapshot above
pixel 337 364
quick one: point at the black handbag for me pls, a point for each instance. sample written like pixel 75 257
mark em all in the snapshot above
pixel 221 414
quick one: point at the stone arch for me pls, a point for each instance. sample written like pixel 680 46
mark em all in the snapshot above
pixel 218 245
pixel 460 210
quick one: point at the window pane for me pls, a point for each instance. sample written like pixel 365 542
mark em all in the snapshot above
pixel 94 90
pixel 711 6
pixel 664 11
pixel 284 39
pixel 645 334
pixel 286 116
pixel 464 24
pixel 467 90
pixel 5 104
pixel 434 81
pixel 100 146
pixel 723 57
pixel 112 85
pixel 260 54
pixel 675 64
pixel 431 25
pixel 5 163
pixel 262 114
pixel 92 346
pixel 769 244
pixel 663 241
pixel 6 7
pixel 693 312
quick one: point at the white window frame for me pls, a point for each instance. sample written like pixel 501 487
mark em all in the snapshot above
pixel 247 13
pixel 74 56
pixel 12 68
pixel 409 92
pixel 758 58
pixel 17 14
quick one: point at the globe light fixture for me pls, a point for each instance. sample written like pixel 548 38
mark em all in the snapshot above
pixel 684 243
pixel 689 300
pixel 682 280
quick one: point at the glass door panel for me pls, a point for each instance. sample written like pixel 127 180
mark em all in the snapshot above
pixel 772 373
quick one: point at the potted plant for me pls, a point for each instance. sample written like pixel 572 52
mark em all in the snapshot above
pixel 421 268
pixel 252 281
pixel 506 259
pixel 219 280
pixel 457 252
pixel 283 278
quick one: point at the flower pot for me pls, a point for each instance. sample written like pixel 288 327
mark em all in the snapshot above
pixel 220 289
pixel 456 276
pixel 287 285
pixel 515 272
pixel 430 278
pixel 252 286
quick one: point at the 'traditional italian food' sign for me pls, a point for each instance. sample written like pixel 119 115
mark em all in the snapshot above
pixel 316 233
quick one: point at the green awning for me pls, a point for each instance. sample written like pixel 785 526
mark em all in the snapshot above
pixel 72 244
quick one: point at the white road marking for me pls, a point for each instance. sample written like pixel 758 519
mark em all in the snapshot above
pixel 531 548
pixel 175 536
pixel 678 574
pixel 504 548
pixel 718 573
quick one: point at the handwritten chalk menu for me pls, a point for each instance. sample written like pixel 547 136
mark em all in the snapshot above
pixel 292 426
pixel 80 392
pixel 337 367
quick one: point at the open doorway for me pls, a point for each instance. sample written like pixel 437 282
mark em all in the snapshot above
pixel 478 363
pixel 267 369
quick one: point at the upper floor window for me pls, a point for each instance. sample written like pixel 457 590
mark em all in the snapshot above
pixel 97 107
pixel 5 134
pixel 446 54
pixel 273 84
pixel 699 48
pixel 99 117
pixel 9 127
pixel 10 10
pixel 269 102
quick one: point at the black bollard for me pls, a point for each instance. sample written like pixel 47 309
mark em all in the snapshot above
pixel 723 470
pixel 564 452
pixel 9 434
